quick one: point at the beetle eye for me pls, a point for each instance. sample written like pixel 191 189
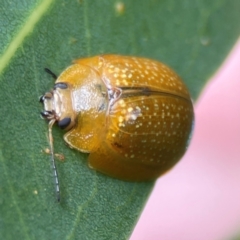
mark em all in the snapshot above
pixel 60 85
pixel 41 99
pixel 64 123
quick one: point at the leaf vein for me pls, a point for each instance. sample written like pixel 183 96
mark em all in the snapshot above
pixel 26 29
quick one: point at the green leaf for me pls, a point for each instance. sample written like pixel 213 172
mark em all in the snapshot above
pixel 193 37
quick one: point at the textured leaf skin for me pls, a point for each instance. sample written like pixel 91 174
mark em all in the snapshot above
pixel 193 37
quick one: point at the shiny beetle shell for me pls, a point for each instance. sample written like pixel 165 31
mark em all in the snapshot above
pixel 133 115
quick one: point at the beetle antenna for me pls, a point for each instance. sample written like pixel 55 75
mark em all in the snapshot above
pixel 47 70
pixel 55 173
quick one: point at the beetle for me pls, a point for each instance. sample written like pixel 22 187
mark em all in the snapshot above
pixel 133 115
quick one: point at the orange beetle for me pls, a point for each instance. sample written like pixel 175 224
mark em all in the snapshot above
pixel 133 115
